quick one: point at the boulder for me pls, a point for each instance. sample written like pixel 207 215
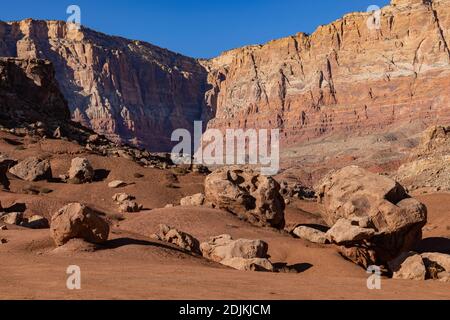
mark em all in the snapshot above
pixel 247 194
pixel 372 218
pixel 437 265
pixel 310 234
pixel 80 171
pixel 241 254
pixel 224 247
pixel 77 221
pixel 178 238
pixel 193 201
pixel 242 264
pixel 408 266
pixel 32 169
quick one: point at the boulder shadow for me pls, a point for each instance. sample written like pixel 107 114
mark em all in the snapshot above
pixel 437 244
pixel 101 175
pixel 122 242
pixel 283 267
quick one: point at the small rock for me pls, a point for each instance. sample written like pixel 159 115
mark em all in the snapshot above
pixel 170 205
pixel 3 241
pixel 3 228
pixel 80 171
pixel 310 234
pixel 116 184
pixel 193 201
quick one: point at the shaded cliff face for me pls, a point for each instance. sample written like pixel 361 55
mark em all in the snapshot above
pixel 345 78
pixel 30 93
pixel 128 90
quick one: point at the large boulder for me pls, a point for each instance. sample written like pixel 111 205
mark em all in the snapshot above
pixel 251 196
pixel 77 221
pixel 80 171
pixel 32 169
pixel 372 218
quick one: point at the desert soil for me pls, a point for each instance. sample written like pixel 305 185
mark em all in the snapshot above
pixel 131 265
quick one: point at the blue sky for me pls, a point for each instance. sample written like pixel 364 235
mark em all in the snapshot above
pixel 197 28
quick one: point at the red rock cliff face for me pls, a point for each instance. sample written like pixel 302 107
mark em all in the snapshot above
pixel 128 90
pixel 345 78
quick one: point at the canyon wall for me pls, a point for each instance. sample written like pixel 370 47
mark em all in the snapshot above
pixel 128 90
pixel 345 78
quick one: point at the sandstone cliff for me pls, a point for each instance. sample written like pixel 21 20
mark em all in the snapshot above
pixel 345 78
pixel 128 90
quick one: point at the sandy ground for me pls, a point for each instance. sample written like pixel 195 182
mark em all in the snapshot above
pixel 133 266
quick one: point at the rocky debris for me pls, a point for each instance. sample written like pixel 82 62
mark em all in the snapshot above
pixel 435 140
pixel 247 194
pixel 5 164
pixel 35 222
pixel 193 201
pixel 122 197
pixel 12 218
pixel 372 218
pixel 181 239
pixel 116 184
pixel 413 266
pixel 127 203
pixel 296 190
pixel 78 221
pixel 80 171
pixel 201 169
pixel 310 234
pixel 130 206
pixel 32 169
pixel 223 247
